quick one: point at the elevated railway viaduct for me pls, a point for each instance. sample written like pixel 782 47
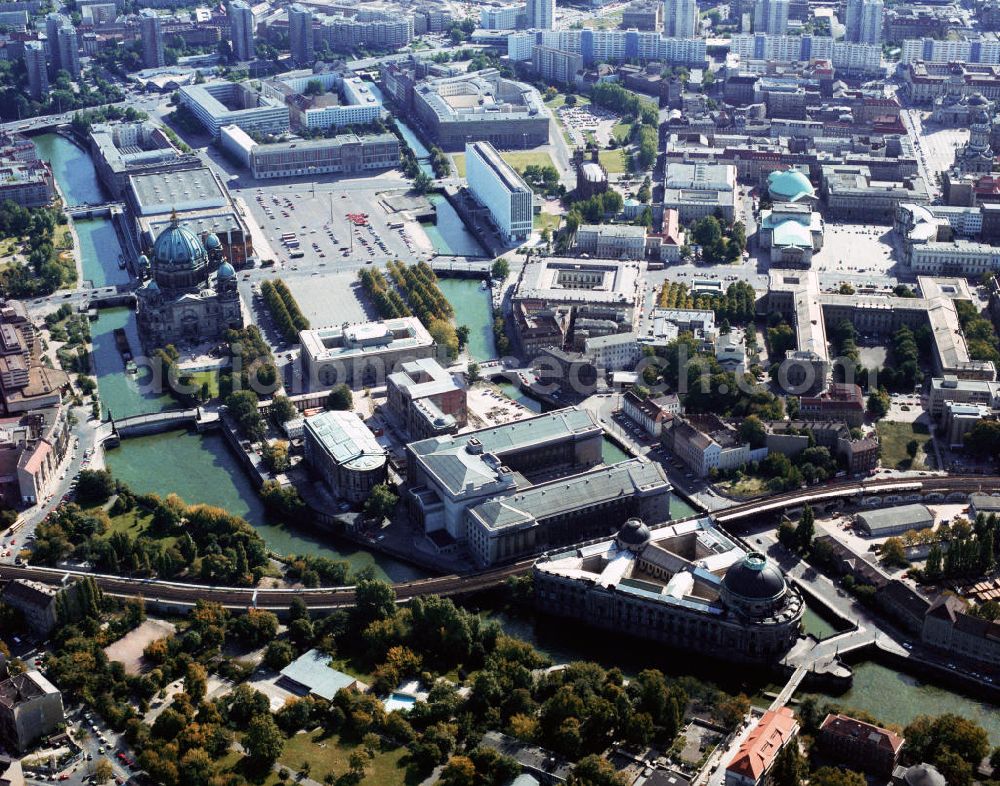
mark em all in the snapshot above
pixel 180 597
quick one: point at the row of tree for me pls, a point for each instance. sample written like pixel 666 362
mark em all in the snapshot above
pixel 418 283
pixel 387 300
pixel 284 309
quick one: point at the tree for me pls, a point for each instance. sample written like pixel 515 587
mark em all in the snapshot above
pixel 752 430
pixel 459 771
pixel 732 710
pixel 283 410
pixel 103 771
pixel 788 765
pixel 381 502
pixel 462 331
pixel 879 403
pixel 594 771
pixel 444 336
pixel 279 654
pixel 806 528
pixel 422 182
pixel 892 553
pixel 836 776
pixel 340 398
pixel 373 600
pixel 263 741
pixel 94 487
pixel 472 373
pixel 500 269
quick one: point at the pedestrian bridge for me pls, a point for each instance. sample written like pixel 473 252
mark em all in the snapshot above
pixel 139 425
pixel 88 210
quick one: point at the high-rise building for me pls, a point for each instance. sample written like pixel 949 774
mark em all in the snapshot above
pixel 68 46
pixel 241 23
pixel 870 29
pixel 53 22
pixel 680 18
pixel 34 62
pixel 300 34
pixel 541 14
pixel 770 16
pixel 152 39
pixel 498 187
pixel 863 21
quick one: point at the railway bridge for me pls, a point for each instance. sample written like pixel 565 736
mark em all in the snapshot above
pixel 181 597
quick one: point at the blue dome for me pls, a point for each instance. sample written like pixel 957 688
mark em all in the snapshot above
pixel 212 241
pixel 178 247
pixel 790 185
pixel 226 270
pixel 143 260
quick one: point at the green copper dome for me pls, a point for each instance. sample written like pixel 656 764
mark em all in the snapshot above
pixel 227 271
pixel 178 247
pixel 790 185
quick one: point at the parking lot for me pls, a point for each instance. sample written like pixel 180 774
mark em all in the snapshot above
pixel 580 119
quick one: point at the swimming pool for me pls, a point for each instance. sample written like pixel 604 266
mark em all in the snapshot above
pixel 399 701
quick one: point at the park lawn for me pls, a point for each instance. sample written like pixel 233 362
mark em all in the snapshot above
pixel 613 161
pixel 133 522
pixel 893 438
pixel 211 377
pixel 745 488
pixel 234 762
pixel 8 246
pixel 519 159
pixel 550 220
pixel 330 754
pixel 609 22
pixel 621 131
pixel 560 100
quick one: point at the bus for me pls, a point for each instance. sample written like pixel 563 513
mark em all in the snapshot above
pixel 287 236
pixel 296 255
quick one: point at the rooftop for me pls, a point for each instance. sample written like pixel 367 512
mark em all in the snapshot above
pixel 899 516
pixel 163 192
pixel 312 670
pixel 459 461
pixel 761 747
pixel 347 440
pixel 350 340
pixel 601 484
pixel 562 280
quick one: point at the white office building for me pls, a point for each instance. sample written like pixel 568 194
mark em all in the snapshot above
pixel 498 187
pixel 241 23
pixel 217 104
pixel 502 17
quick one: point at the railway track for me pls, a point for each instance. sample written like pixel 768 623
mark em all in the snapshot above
pixel 323 598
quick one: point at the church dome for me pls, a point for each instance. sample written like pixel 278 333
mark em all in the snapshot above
pixel 225 269
pixel 923 775
pixel 212 242
pixel 754 578
pixel 633 535
pixel 978 99
pixel 178 247
pixel 790 185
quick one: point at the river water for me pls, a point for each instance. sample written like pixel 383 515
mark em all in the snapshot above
pixel 449 234
pixel 474 309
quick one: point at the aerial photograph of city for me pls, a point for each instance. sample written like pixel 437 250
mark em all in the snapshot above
pixel 499 393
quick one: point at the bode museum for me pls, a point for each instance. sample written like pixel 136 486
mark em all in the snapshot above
pixel 189 291
pixel 684 584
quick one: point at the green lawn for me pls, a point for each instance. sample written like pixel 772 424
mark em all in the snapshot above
pixel 560 100
pixel 519 159
pixel 893 439
pixel 330 754
pixel 549 220
pixel 134 522
pixel 211 377
pixel 621 131
pixel 609 22
pixel 613 161
pixel 745 488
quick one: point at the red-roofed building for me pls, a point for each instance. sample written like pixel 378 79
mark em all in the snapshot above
pixel 839 402
pixel 859 744
pixel 755 759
